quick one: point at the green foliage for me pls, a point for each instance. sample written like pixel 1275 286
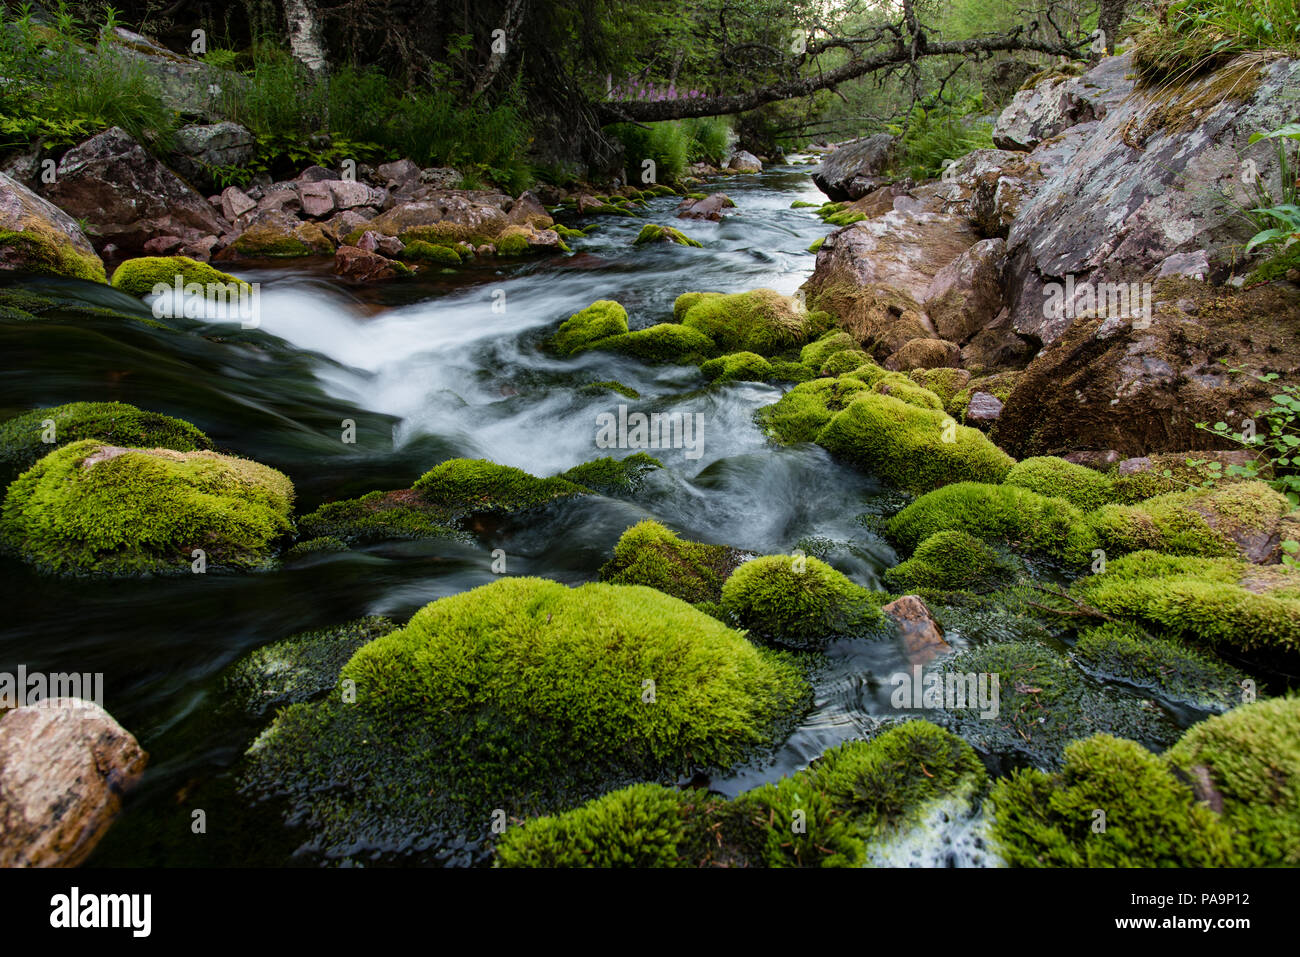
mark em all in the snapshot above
pixel 600 320
pixel 802 413
pixel 1249 759
pixel 1188 38
pixel 1151 820
pixel 798 601
pixel 378 516
pixel 87 508
pixel 666 144
pixel 1278 217
pixel 137 277
pixel 421 251
pixel 707 139
pixel 22 438
pixel 651 555
pixel 939 131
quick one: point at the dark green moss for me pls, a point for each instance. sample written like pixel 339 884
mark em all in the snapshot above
pixel 462 486
pixel 600 320
pixel 610 476
pixel 664 343
pixel 649 554
pixel 951 560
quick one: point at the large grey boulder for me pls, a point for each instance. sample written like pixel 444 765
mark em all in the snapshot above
pixel 199 149
pixel 1142 187
pixel 1060 102
pixel 854 169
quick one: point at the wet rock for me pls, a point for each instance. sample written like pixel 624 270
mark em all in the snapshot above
pixel 373 242
pixel 743 162
pixel 855 169
pixel 709 208
pixel 966 295
pixel 163 245
pixel 276 234
pixel 351 262
pixel 128 196
pixel 921 635
pixel 984 407
pixel 39 237
pixel 64 766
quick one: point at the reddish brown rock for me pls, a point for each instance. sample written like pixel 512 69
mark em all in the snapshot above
pixel 64 766
pixel 710 207
pixel 353 263
pixel 921 635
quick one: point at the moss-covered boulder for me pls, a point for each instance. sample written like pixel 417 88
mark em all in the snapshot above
pixel 1213 601
pixel 951 560
pixel 137 277
pixel 996 513
pixel 602 319
pixel 666 342
pixel 1084 488
pixel 440 254
pixel 649 554
pixel 815 354
pixel 23 439
pixel 523 695
pixel 762 321
pixel 683 303
pixel 802 413
pixel 92 508
pixel 1238 520
pixel 1171 669
pixel 897 385
pixel 650 233
pixel 1246 764
pixel 913 448
pixel 799 601
pixel 1150 818
pixel 474 485
pixel 738 367
pixel 824 816
pixel 38 237
pixel 611 476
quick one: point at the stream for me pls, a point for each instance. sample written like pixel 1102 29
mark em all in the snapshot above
pixel 427 369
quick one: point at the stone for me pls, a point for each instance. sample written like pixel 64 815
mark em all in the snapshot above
pixel 64 766
pixel 1060 102
pixel 710 207
pixel 925 354
pixel 965 296
pixel 235 203
pixel 47 239
pixel 351 262
pixel 743 162
pixel 199 149
pixel 921 635
pixel 373 242
pixel 316 197
pixel 983 407
pixel 854 169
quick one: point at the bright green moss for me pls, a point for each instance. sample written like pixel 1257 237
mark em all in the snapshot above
pixel 802 204
pixel 786 371
pixel 1248 762
pixel 512 244
pixel 600 388
pixel 22 438
pixel 137 277
pixel 570 665
pixel 324 544
pixel 610 476
pixel 418 250
pixel 900 387
pixel 646 825
pixel 845 361
pixel 650 233
pixel 664 343
pixel 379 516
pixel 815 354
pixel 1215 601
pixel 738 367
pixel 603 318
pixel 91 508
pixel 792 824
pixel 801 414
pixel 649 554
pixel 1151 820
pixel 889 782
pixel 1082 487
pixel 945 383
pixel 683 303
pixel 914 448
pixel 999 385
pixel 1176 672
pixel 1222 521
pixel 951 560
pixel 476 485
pixel 798 601
pixel 762 321
pixel 816 244
pixel 299 668
pixel 566 232
pixel 996 513
pixel 52 254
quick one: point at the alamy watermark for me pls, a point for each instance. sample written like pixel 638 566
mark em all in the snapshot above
pixel 61 689
pixel 1107 300
pixel 946 691
pixel 655 430
pixel 228 301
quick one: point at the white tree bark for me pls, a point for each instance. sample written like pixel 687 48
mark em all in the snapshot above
pixel 305 42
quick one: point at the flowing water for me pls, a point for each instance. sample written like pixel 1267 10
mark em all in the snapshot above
pixel 427 369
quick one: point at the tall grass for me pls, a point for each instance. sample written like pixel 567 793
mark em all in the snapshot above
pixel 940 131
pixel 1188 38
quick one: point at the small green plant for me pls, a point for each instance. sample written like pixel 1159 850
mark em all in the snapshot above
pixel 941 129
pixel 1278 217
